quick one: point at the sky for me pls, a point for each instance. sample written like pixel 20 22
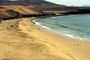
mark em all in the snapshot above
pixel 71 2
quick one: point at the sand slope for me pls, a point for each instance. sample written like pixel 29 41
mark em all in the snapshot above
pixel 20 39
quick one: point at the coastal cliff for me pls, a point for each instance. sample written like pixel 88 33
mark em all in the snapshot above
pixel 18 11
pixel 36 8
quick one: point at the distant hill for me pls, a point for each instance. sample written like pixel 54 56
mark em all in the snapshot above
pixel 29 3
pixel 10 9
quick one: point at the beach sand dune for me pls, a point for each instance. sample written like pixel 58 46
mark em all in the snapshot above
pixel 20 39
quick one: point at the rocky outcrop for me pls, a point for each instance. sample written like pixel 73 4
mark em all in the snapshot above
pixel 24 10
pixel 7 13
pixel 18 11
pixel 12 12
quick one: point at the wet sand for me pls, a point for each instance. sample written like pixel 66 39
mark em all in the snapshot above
pixel 21 39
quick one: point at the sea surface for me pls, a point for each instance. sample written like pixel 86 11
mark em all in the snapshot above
pixel 73 26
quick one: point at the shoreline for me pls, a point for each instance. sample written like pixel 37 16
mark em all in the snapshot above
pixel 21 39
pixel 69 36
pixel 66 38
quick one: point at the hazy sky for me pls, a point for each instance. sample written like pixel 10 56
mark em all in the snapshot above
pixel 71 2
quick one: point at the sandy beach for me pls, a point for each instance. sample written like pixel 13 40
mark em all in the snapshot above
pixel 21 39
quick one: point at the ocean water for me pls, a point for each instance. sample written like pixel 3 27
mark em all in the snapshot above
pixel 73 26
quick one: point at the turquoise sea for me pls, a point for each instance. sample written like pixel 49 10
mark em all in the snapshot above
pixel 73 26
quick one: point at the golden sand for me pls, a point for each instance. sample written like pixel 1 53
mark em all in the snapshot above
pixel 20 39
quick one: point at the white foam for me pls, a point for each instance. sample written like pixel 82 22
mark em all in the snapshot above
pixel 53 17
pixel 57 32
pixel 37 23
pixel 72 36
pixel 76 37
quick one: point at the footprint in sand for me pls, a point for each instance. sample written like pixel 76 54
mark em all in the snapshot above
pixel 27 51
pixel 5 59
pixel 38 47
